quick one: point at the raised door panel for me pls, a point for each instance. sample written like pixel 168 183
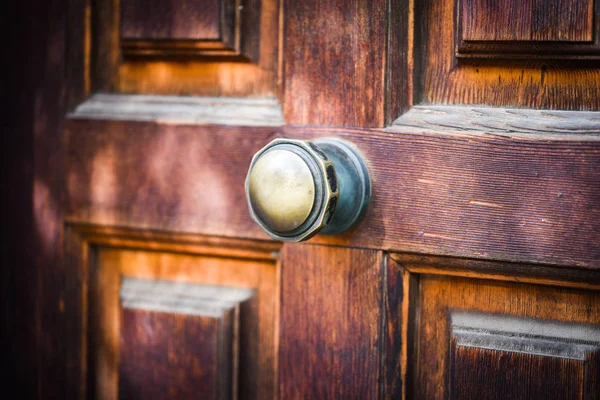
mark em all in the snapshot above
pixel 500 340
pixel 180 340
pixel 517 54
pixel 172 316
pixel 174 47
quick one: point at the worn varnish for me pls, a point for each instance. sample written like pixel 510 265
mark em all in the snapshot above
pixel 168 50
pixel 522 317
pixel 176 275
pixel 529 20
pixel 478 196
pixel 166 355
pixel 171 19
pixel 499 80
pixel 335 52
pixel 330 323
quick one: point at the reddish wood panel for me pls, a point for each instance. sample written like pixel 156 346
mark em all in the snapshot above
pixel 464 195
pixel 488 339
pixel 171 19
pixel 335 62
pixel 502 357
pixel 200 48
pixel 169 356
pixel 530 20
pixel 179 278
pixel 399 298
pixel 490 374
pixel 330 323
pixel 517 74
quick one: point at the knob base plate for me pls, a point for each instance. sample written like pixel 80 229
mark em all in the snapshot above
pixel 354 185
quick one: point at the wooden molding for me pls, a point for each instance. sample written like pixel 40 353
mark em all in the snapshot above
pixel 246 289
pixel 508 122
pixel 506 344
pixel 474 335
pixel 141 35
pixel 547 30
pixel 501 271
pixel 181 109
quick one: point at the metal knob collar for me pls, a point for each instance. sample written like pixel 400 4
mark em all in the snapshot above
pixel 296 189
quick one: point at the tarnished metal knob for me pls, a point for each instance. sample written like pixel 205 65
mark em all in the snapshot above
pixel 296 189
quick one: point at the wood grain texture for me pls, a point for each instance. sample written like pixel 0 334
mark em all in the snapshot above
pixel 181 109
pixel 99 256
pixel 525 83
pixel 207 29
pixel 529 20
pixel 495 375
pixel 476 196
pixel 540 308
pixel 172 19
pixel 170 356
pixel 335 63
pixel 500 271
pixel 494 356
pixel 508 122
pixel 330 323
pixel 242 62
pixel 400 291
pixel 401 63
pixel 180 340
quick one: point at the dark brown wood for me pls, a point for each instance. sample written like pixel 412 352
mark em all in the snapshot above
pixel 32 271
pixel 166 355
pixel 500 82
pixel 172 49
pixel 400 291
pixel 502 271
pixel 199 29
pixel 335 52
pixel 465 195
pixel 400 63
pixel 180 340
pixel 500 357
pixel 172 19
pixel 513 331
pixel 529 20
pixel 330 346
pixel 495 375
pixel 230 275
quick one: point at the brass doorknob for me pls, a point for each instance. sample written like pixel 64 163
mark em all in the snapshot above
pixel 296 189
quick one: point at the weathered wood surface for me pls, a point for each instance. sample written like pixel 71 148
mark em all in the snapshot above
pixel 181 109
pixel 562 322
pixel 464 195
pixel 570 80
pixel 179 340
pixel 163 356
pixel 172 19
pixel 178 66
pixel 508 122
pixel 334 67
pixel 212 273
pixel 330 323
pixel 527 20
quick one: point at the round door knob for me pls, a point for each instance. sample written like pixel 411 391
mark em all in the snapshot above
pixel 296 189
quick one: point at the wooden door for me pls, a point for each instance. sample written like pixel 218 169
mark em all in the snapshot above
pixel 473 274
